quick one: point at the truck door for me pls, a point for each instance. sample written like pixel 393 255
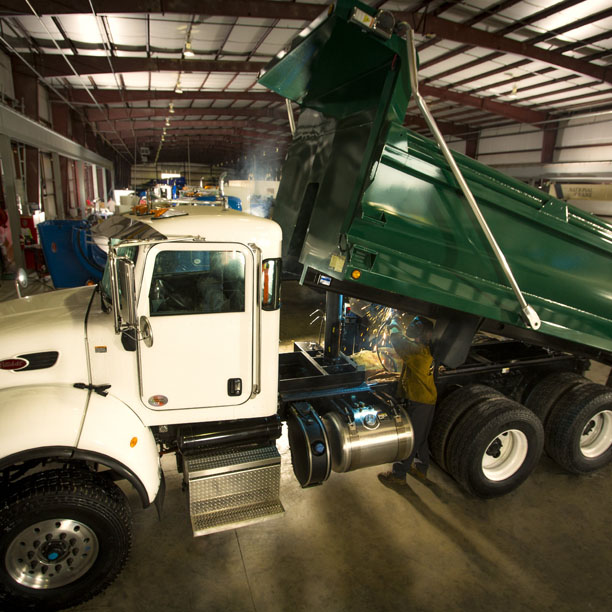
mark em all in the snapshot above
pixel 196 311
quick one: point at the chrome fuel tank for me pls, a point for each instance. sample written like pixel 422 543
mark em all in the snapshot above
pixel 346 432
pixel 364 432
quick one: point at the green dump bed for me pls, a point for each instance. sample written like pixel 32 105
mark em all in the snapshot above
pixel 362 196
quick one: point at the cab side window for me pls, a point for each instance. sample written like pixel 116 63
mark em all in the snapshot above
pixel 197 282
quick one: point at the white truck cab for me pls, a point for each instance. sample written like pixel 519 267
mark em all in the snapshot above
pixel 183 330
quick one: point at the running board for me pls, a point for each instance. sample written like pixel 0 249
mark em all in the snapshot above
pixel 232 488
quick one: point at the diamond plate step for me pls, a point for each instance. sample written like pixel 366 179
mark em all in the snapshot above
pixel 230 489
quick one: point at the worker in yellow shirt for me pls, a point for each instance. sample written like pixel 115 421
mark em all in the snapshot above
pixel 418 390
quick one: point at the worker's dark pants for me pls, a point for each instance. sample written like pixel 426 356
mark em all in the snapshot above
pixel 421 416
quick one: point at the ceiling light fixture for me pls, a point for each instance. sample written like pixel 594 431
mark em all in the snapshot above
pixel 171 109
pixel 167 121
pixel 178 89
pixel 188 51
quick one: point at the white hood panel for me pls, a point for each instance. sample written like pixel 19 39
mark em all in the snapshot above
pixel 53 321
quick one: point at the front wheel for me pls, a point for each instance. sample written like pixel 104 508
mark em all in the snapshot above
pixel 64 537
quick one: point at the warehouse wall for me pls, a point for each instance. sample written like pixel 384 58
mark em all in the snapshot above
pixel 579 140
pixel 6 76
pixel 506 146
pixel 582 141
pixel 143 173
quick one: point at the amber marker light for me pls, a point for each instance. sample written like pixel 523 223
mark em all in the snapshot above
pixel 133 442
pixel 355 274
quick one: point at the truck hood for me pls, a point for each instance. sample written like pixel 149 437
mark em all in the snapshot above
pixel 48 330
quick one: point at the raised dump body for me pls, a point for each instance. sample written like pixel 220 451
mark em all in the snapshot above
pixel 375 206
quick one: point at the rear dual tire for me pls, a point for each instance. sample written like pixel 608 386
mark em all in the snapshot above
pixel 579 429
pixel 449 411
pixel 494 447
pixel 577 419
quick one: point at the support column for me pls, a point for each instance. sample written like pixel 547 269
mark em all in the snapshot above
pixel 333 329
pixel 61 118
pixel 105 186
pixel 471 145
pixel 32 159
pixel 26 88
pixel 549 141
pixel 94 178
pixel 81 194
pixel 10 198
pixel 57 186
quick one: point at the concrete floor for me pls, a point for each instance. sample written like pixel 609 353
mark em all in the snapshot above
pixel 354 544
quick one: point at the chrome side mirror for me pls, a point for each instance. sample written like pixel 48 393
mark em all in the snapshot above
pixel 124 293
pixel 21 281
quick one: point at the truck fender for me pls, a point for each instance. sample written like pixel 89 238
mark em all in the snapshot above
pixel 112 430
pixel 40 416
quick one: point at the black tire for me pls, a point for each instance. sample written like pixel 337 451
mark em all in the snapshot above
pixel 579 429
pixel 448 412
pixel 546 393
pixel 71 522
pixel 498 432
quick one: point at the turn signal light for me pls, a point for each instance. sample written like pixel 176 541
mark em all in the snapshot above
pixel 356 274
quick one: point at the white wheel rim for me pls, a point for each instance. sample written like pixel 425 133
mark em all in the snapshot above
pixel 51 553
pixel 505 455
pixel 596 437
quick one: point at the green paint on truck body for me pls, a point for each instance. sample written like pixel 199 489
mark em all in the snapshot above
pixel 361 192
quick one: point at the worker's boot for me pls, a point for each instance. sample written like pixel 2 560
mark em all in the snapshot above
pixel 418 470
pixel 397 476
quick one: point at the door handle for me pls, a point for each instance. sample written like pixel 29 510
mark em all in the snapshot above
pixel 234 387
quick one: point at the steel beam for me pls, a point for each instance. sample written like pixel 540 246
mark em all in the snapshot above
pixel 524 115
pixel 109 96
pixel 10 198
pixel 458 32
pixel 239 134
pixel 178 126
pixel 95 115
pixel 55 65
pixel 230 8
pixel 21 129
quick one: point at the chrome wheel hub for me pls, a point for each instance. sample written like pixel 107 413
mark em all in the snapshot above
pixel 51 553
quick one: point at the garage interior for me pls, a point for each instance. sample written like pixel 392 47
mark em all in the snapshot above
pixel 100 99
